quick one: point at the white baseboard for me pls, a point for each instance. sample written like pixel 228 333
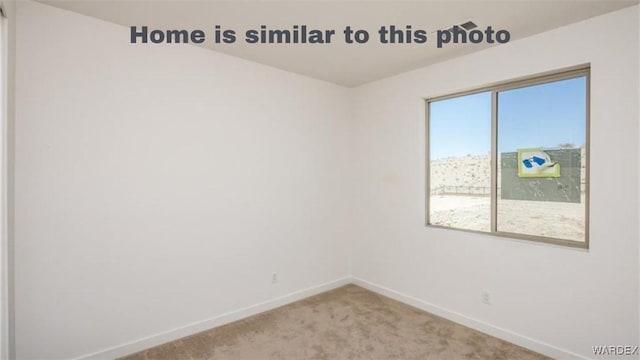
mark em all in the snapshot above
pixel 504 334
pixel 196 327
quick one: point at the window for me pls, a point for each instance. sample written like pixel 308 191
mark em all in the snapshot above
pixel 512 159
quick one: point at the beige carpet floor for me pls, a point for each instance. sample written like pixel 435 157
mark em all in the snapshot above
pixel 346 323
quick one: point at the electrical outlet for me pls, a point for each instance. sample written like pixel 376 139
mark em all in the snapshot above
pixel 485 297
pixel 274 278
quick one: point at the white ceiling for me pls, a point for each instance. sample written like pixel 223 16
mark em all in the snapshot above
pixel 343 64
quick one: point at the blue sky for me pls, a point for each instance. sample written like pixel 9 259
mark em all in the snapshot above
pixel 543 115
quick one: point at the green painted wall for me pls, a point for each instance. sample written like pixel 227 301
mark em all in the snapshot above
pixel 565 188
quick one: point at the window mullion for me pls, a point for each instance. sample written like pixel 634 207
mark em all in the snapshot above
pixel 494 161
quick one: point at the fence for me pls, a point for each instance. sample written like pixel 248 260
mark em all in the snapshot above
pixel 472 190
pixel 461 190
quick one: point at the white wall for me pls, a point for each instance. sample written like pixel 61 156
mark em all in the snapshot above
pixel 157 186
pixel 7 153
pixel 551 296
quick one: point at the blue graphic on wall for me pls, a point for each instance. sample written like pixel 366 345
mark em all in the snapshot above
pixel 536 163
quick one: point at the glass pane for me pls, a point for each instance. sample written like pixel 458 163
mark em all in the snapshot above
pixel 541 160
pixel 459 166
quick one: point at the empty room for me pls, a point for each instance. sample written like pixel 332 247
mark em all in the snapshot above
pixel 320 179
